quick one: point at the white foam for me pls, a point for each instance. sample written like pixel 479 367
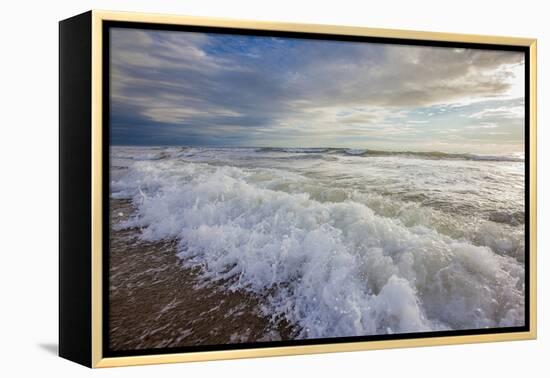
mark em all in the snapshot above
pixel 332 267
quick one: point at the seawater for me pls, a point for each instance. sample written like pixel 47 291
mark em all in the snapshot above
pixel 341 242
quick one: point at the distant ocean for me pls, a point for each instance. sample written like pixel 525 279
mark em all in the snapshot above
pixel 341 242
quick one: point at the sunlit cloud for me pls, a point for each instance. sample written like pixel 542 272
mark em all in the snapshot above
pixel 501 112
pixel 212 89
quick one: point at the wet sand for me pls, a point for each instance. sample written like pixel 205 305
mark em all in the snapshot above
pixel 156 302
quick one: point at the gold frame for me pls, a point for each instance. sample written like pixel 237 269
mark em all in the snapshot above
pixel 97 357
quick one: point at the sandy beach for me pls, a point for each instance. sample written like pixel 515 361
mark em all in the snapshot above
pixel 155 302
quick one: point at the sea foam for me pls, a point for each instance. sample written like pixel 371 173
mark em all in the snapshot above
pixel 330 266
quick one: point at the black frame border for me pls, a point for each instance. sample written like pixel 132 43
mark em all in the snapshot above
pixel 106 221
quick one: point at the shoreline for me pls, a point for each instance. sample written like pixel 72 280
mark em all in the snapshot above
pixel 156 302
pixel 336 247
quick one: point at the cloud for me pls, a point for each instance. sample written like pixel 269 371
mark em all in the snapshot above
pixel 183 87
pixel 500 113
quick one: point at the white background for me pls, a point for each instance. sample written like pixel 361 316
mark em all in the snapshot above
pixel 29 174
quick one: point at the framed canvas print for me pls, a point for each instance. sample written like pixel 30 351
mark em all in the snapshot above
pixel 236 189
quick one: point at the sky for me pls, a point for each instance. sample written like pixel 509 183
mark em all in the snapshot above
pixel 199 89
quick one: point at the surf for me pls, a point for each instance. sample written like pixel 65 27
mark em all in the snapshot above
pixel 340 265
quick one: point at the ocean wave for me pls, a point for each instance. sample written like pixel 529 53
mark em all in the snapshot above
pixel 335 268
pixel 294 150
pixel 158 153
pixel 439 155
pixel 435 155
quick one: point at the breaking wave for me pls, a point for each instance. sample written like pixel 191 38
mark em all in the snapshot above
pixel 329 258
pixel 412 154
